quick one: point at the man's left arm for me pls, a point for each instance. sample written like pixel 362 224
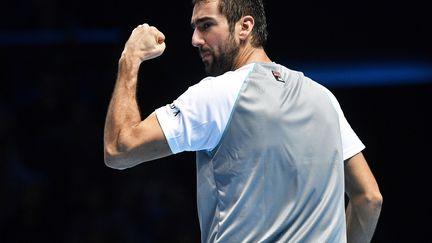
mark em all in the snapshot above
pixel 365 200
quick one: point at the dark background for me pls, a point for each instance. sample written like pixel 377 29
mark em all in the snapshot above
pixel 58 64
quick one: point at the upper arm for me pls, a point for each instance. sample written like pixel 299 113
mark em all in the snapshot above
pixel 140 143
pixel 350 141
pixel 359 179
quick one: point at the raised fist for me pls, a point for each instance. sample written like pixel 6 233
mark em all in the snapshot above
pixel 145 42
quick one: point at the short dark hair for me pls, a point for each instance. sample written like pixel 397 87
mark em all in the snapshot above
pixel 233 10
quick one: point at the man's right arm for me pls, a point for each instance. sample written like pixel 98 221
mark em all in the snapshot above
pixel 129 140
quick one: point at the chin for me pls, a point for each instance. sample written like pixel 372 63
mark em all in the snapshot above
pixel 207 68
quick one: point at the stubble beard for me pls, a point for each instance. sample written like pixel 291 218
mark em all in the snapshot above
pixel 223 62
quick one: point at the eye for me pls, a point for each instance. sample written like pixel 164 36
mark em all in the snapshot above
pixel 204 26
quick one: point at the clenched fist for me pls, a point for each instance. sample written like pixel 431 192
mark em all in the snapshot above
pixel 145 42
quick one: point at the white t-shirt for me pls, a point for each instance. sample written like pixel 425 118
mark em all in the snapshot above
pixel 197 119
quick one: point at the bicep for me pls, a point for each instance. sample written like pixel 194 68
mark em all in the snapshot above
pixel 149 138
pixel 144 142
pixel 148 133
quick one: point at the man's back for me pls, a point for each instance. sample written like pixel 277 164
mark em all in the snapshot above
pixel 277 173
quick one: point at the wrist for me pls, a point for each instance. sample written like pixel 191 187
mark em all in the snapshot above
pixel 129 63
pixel 128 72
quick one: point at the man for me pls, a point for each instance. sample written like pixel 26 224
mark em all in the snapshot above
pixel 275 154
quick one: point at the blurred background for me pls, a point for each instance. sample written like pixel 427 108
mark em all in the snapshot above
pixel 58 64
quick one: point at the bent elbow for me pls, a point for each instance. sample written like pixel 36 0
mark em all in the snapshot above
pixel 114 164
pixel 121 160
pixel 114 160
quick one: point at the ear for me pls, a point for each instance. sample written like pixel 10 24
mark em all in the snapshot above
pixel 246 25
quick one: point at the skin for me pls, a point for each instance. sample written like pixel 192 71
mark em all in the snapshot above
pixel 212 37
pixel 219 52
pixel 129 140
pixel 365 200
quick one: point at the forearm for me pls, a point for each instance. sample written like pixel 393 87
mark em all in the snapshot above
pixel 123 111
pixel 362 215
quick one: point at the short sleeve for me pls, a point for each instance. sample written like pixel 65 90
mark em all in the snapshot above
pixel 351 143
pixel 197 119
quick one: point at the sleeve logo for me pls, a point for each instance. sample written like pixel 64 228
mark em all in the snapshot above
pixel 174 110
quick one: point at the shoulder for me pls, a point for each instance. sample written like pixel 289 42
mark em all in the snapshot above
pixel 239 74
pixel 228 83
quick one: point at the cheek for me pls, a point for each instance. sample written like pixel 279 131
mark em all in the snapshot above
pixel 217 41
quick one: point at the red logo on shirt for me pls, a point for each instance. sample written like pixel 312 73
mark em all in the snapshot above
pixel 278 76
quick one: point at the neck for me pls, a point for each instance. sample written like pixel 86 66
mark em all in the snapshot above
pixel 250 54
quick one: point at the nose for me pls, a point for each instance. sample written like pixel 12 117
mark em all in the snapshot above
pixel 197 39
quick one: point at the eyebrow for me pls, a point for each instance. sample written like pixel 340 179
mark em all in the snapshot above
pixel 201 20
